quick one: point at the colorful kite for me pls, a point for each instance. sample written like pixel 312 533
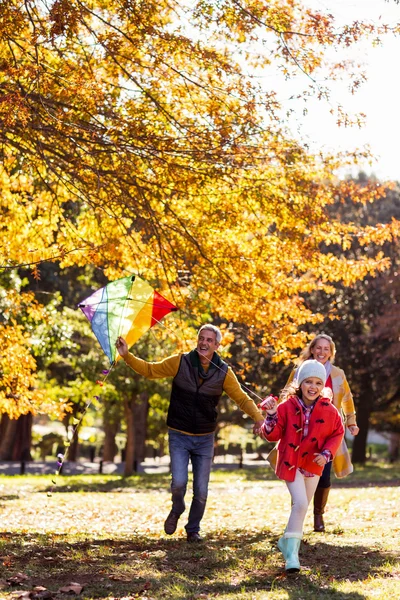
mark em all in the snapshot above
pixel 127 307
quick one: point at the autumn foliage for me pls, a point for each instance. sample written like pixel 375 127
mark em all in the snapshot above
pixel 132 138
pixel 19 393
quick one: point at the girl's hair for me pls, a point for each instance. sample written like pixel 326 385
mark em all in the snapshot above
pixel 306 353
pixel 291 389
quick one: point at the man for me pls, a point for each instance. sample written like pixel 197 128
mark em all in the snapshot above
pixel 199 379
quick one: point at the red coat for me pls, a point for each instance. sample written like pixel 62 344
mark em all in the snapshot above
pixel 325 432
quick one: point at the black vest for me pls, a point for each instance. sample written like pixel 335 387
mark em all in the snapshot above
pixel 193 404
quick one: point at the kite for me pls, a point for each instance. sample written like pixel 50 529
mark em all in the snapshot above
pixel 127 307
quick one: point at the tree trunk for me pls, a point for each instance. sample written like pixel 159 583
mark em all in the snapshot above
pixel 130 437
pixel 9 427
pixel 16 437
pixel 141 411
pixel 359 453
pixel 3 426
pixel 110 448
pixel 72 453
pixel 394 446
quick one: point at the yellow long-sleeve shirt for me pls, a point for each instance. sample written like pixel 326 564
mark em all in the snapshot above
pixel 169 368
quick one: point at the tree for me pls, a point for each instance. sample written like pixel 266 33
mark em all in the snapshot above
pixel 21 319
pixel 362 320
pixel 133 142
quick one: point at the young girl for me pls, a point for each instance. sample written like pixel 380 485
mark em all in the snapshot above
pixel 323 349
pixel 309 430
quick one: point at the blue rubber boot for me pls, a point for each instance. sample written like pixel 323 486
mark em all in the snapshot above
pixel 282 545
pixel 291 554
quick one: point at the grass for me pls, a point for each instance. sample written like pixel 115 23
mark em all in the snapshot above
pixel 106 533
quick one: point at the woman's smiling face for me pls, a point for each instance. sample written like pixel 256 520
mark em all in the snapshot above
pixel 321 351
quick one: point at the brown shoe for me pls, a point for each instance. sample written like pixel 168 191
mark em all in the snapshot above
pixel 194 538
pixel 171 523
pixel 319 524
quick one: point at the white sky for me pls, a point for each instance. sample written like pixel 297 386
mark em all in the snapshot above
pixel 378 98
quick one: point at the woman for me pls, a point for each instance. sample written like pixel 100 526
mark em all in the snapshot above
pixel 322 349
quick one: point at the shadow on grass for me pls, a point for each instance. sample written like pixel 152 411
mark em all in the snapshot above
pixel 99 483
pixel 235 564
pixel 368 476
pixel 8 497
pixel 148 481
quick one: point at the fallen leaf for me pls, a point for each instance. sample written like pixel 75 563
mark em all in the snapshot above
pixel 41 593
pixel 7 561
pixel 18 578
pixel 74 588
pixel 120 578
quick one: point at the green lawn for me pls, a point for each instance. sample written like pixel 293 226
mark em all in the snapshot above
pixel 106 533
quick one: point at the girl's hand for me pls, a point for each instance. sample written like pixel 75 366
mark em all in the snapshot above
pixel 353 429
pixel 320 459
pixel 269 404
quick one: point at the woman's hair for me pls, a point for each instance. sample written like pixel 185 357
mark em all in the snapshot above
pixel 306 353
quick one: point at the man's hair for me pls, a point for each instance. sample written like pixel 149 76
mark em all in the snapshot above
pixel 216 330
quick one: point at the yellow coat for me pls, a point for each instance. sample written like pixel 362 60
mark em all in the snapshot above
pixel 343 400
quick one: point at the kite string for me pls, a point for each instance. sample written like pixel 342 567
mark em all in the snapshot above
pixel 61 457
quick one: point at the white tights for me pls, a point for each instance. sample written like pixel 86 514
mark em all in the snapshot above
pixel 302 490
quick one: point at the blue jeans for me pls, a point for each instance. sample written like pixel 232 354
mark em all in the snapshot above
pixel 200 450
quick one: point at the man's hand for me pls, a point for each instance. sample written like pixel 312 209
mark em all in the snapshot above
pixel 122 347
pixel 257 427
pixel 353 429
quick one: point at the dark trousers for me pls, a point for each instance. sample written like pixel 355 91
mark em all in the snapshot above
pixel 325 479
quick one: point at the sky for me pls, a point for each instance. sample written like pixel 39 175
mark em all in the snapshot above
pixel 378 98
